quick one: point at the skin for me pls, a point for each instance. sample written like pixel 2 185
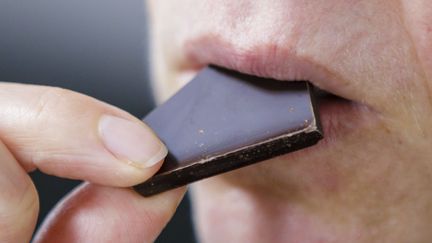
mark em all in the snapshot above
pixel 369 179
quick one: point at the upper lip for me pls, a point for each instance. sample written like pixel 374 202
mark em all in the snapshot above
pixel 269 61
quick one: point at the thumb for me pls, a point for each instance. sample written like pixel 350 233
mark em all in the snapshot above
pixel 74 136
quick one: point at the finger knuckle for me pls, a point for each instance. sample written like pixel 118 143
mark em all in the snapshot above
pixel 51 99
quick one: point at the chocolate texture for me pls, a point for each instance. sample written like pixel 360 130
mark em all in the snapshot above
pixel 223 120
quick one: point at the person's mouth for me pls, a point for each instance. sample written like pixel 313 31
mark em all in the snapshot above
pixel 342 108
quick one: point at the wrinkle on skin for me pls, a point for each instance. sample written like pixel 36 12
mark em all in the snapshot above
pixel 423 37
pixel 369 179
pixel 419 14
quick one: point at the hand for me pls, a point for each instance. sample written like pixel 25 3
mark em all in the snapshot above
pixel 70 135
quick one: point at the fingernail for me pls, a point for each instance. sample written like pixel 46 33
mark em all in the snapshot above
pixel 131 141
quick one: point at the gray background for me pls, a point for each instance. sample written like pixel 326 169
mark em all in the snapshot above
pixel 96 47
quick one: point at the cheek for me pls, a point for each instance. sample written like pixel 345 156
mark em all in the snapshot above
pixel 418 21
pixel 366 44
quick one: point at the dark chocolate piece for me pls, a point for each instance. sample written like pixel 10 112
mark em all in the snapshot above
pixel 223 120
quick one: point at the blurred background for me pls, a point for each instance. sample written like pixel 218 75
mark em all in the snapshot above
pixel 96 47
